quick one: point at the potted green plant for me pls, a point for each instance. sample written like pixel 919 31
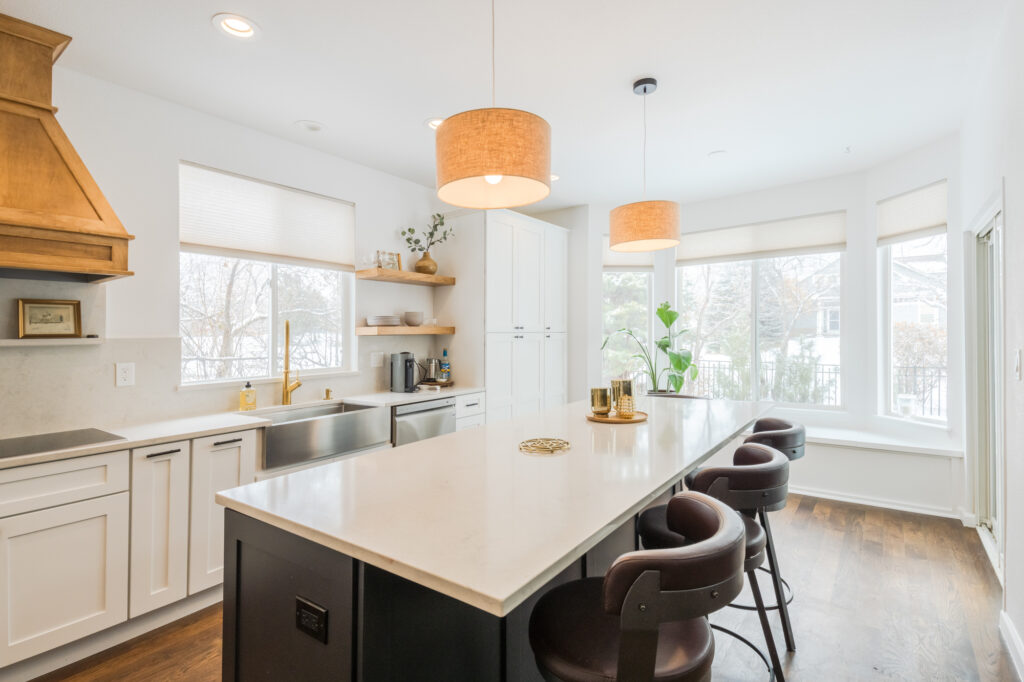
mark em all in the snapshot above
pixel 680 362
pixel 437 233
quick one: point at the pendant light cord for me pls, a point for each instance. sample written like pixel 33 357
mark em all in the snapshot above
pixel 492 55
pixel 645 146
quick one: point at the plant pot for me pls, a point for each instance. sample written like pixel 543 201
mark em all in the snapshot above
pixel 426 264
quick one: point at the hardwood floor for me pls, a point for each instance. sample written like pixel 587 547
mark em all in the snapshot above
pixel 880 595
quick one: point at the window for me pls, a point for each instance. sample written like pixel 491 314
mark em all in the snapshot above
pixel 912 247
pixel 625 303
pixel 796 360
pixel 254 255
pixel 761 306
pixel 918 357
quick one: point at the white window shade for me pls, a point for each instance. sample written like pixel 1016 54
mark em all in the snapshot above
pixel 915 213
pixel 806 234
pixel 227 211
pixel 624 261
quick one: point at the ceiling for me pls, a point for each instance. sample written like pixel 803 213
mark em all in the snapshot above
pixel 785 87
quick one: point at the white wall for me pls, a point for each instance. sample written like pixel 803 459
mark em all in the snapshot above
pixel 132 143
pixel 992 163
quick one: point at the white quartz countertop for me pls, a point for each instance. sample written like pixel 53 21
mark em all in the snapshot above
pixel 468 515
pixel 146 434
pixel 389 399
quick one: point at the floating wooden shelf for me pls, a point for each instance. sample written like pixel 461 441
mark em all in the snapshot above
pixel 25 343
pixel 404 331
pixel 404 277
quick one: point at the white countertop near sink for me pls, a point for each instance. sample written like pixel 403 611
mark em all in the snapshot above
pixel 146 434
pixel 389 399
pixel 470 516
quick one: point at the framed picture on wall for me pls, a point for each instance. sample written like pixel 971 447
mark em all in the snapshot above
pixel 46 319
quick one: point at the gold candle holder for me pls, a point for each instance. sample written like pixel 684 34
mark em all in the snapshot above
pixel 622 398
pixel 600 401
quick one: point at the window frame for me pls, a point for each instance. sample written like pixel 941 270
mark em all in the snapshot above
pixel 884 256
pixel 755 360
pixel 350 352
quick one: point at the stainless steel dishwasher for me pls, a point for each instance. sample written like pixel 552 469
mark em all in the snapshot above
pixel 410 423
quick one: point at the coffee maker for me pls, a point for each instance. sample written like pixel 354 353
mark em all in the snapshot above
pixel 403 373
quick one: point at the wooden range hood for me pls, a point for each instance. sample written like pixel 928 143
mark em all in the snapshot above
pixel 54 221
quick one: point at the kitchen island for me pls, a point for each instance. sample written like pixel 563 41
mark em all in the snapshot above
pixel 423 562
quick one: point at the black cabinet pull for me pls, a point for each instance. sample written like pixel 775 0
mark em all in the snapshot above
pixel 227 442
pixel 473 404
pixel 161 454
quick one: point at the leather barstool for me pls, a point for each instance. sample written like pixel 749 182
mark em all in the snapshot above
pixel 645 619
pixel 785 436
pixel 758 481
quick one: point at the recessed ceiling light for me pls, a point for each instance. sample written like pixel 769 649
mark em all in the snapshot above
pixel 553 177
pixel 235 25
pixel 847 150
pixel 434 123
pixel 716 152
pixel 310 126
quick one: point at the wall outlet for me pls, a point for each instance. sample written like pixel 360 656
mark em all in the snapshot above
pixel 377 359
pixel 124 374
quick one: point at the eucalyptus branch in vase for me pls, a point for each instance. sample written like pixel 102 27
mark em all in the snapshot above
pixel 420 243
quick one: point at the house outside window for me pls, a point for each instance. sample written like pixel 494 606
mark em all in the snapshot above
pixel 913 257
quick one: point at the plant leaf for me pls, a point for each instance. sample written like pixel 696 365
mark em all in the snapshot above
pixel 667 315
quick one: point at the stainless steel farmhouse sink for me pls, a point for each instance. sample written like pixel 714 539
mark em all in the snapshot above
pixel 302 434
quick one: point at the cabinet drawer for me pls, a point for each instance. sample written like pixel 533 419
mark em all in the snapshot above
pixel 469 422
pixel 469 405
pixel 38 486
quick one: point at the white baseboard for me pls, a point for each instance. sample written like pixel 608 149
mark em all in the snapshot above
pixel 988 543
pixel 875 502
pixel 93 644
pixel 1013 642
pixel 969 519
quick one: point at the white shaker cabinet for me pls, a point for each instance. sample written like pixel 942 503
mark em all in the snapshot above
pixel 63 568
pixel 556 279
pixel 528 279
pixel 499 310
pixel 498 376
pixel 555 369
pixel 218 463
pixel 527 373
pixel 515 273
pixel 159 527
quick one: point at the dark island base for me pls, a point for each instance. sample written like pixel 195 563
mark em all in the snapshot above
pixel 295 610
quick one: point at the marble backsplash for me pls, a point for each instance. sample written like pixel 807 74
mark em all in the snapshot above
pixel 58 388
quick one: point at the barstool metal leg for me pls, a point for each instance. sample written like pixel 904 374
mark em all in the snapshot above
pixel 773 561
pixel 769 639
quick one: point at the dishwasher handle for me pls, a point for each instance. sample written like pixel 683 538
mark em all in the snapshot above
pixel 424 406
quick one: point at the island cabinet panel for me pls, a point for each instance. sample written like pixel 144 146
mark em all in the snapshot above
pixel 63 575
pixel 159 535
pixel 218 463
pixel 267 572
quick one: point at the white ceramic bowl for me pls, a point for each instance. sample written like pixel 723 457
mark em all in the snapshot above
pixel 414 319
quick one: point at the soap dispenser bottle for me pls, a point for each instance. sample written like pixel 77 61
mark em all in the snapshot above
pixel 247 398
pixel 446 367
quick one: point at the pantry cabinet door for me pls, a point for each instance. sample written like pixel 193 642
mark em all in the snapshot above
pixel 498 313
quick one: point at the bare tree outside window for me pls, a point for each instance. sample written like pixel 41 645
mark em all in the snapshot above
pixel 227 313
pixel 625 304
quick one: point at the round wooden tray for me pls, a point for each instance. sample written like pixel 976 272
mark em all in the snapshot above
pixel 637 418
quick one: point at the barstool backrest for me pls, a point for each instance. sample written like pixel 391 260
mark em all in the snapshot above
pixel 758 478
pixel 649 587
pixel 785 436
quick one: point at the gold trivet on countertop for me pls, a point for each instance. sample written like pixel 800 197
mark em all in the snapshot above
pixel 544 446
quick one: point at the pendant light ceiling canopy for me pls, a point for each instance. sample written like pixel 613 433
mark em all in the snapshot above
pixel 644 225
pixel 493 158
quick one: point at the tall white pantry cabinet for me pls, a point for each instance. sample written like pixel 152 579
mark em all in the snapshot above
pixel 526 315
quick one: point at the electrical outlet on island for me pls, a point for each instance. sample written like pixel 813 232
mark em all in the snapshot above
pixel 124 374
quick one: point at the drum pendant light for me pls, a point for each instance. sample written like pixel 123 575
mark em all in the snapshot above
pixel 644 225
pixel 493 158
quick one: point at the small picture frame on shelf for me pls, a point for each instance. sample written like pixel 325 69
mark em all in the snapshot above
pixel 48 319
pixel 389 260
